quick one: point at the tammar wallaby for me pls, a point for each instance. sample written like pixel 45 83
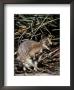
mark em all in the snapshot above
pixel 28 49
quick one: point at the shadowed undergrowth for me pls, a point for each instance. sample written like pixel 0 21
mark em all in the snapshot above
pixel 36 27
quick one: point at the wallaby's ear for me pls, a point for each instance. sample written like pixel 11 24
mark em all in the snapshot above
pixel 43 40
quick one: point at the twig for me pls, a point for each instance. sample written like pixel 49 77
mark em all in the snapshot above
pixel 47 30
pixel 43 24
pixel 55 39
pixel 55 29
pixel 39 26
pixel 53 52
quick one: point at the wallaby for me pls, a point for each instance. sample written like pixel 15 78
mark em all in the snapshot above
pixel 28 49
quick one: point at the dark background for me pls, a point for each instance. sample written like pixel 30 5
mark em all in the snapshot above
pixel 2 3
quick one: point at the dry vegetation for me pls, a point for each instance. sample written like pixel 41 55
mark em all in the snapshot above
pixel 37 27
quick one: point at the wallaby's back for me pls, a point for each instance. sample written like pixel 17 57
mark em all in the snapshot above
pixel 28 48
